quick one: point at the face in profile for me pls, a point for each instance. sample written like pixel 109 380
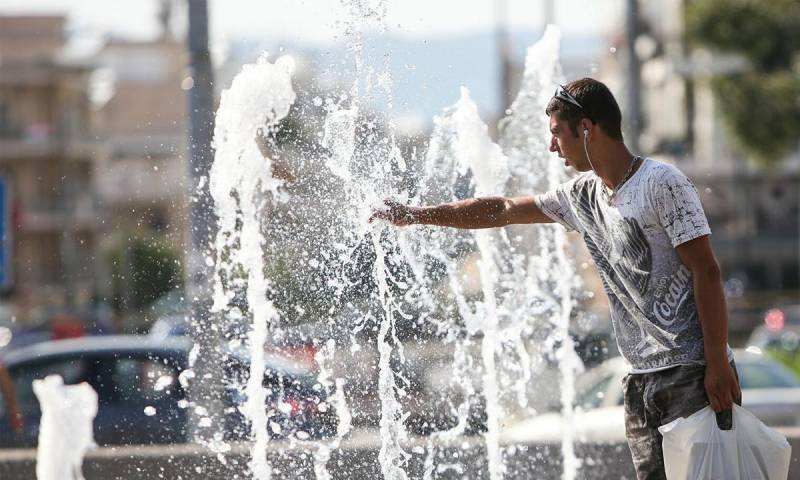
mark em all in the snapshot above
pixel 567 145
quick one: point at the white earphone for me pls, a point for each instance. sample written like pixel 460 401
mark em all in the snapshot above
pixel 586 148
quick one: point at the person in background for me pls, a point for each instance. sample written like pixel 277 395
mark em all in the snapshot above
pixel 15 418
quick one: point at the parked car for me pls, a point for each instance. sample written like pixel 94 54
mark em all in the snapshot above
pixel 141 400
pixel 769 390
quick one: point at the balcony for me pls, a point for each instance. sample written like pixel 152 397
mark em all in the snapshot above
pixel 38 142
pixel 142 181
pixel 76 213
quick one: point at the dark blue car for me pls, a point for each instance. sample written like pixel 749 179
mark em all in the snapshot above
pixel 141 400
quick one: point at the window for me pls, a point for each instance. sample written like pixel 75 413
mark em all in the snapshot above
pixel 142 380
pixel 593 396
pixel 764 375
pixel 73 371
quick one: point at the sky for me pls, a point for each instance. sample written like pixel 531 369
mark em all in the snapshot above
pixel 428 72
pixel 319 21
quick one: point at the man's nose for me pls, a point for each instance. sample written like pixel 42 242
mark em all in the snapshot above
pixel 553 145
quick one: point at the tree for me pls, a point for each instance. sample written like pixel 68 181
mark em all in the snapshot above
pixel 761 104
pixel 149 269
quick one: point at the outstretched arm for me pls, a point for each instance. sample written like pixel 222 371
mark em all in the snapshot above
pixel 721 385
pixel 484 212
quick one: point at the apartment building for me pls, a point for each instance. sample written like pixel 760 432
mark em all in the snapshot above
pixel 49 159
pixel 141 118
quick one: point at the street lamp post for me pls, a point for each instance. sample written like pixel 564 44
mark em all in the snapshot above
pixel 634 83
pixel 205 389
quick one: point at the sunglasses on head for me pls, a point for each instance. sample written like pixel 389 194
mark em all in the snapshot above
pixel 563 94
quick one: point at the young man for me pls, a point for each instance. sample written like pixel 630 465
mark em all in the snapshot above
pixel 645 229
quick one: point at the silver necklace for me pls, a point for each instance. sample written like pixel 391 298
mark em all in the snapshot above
pixel 625 178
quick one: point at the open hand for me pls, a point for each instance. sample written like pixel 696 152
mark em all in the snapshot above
pixel 721 387
pixel 395 213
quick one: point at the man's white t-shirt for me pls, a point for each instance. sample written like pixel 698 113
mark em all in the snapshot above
pixel 632 237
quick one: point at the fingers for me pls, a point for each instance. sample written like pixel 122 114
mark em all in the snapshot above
pixel 726 400
pixel 712 399
pixel 722 397
pixel 393 213
pixel 379 213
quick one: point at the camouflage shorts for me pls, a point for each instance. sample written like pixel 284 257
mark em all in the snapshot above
pixel 653 399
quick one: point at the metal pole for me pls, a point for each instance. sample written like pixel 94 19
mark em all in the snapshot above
pixel 504 51
pixel 688 82
pixel 205 389
pixel 634 113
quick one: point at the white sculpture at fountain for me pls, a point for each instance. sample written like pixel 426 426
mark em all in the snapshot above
pixel 65 431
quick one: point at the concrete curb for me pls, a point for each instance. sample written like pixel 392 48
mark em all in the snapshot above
pixel 355 458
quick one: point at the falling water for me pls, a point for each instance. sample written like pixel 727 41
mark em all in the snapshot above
pixel 506 325
pixel 525 139
pixel 241 182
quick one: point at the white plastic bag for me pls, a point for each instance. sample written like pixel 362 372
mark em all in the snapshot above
pixel 696 449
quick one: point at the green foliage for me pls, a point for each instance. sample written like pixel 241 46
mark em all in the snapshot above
pixel 153 268
pixel 761 105
pixel 767 32
pixel 759 108
pixel 791 359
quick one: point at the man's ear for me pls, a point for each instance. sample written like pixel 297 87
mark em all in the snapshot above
pixel 586 127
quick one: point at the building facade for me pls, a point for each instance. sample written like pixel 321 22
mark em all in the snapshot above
pixel 49 157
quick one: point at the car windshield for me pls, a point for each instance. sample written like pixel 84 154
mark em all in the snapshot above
pixel 765 375
pixel 593 393
pixel 592 387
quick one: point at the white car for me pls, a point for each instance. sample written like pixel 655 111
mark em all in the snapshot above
pixel 769 390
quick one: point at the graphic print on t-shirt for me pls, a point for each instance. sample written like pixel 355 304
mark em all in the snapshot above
pixel 622 254
pixel 622 247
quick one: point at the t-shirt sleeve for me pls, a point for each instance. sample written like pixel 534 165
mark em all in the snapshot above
pixel 555 204
pixel 678 208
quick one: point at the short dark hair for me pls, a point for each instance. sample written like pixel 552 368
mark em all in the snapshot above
pixel 598 103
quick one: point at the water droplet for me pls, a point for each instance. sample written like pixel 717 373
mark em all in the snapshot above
pixel 185 376
pixel 163 382
pixel 149 411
